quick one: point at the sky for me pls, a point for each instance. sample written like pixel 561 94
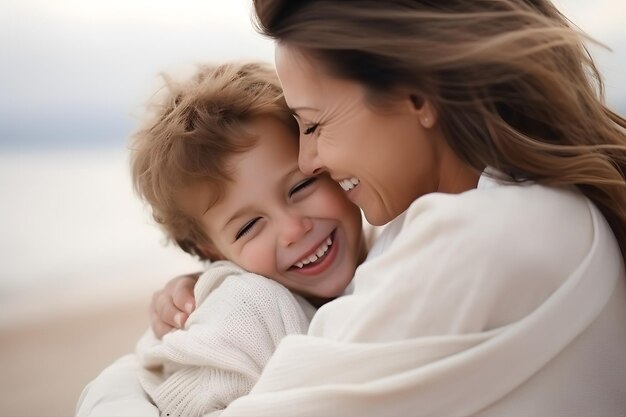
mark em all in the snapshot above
pixel 76 73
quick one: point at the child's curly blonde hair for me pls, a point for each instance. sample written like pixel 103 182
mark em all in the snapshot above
pixel 191 135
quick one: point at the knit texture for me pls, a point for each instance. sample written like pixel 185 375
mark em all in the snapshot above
pixel 240 320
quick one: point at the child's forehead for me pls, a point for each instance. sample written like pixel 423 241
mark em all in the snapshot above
pixel 256 175
pixel 259 178
pixel 272 128
pixel 197 196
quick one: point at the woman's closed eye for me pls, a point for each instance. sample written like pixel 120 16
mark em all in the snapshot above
pixel 302 185
pixel 311 129
pixel 247 228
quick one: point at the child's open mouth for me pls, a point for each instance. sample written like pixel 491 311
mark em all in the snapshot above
pixel 320 259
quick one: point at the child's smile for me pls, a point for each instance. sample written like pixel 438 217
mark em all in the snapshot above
pixel 317 255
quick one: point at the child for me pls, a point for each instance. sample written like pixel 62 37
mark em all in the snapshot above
pixel 219 166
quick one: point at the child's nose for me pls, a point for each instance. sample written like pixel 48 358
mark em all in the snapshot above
pixel 293 228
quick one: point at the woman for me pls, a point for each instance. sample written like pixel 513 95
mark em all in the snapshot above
pixel 479 127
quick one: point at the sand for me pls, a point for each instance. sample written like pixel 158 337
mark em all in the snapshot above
pixel 48 354
pixel 46 364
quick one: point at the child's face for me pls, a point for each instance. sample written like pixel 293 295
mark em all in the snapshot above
pixel 299 230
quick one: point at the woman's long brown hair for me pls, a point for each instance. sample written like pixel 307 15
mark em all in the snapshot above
pixel 514 85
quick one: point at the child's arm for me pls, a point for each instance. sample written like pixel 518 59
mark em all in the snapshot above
pixel 239 321
pixel 171 305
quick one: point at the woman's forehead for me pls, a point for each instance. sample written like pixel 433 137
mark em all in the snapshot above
pixel 297 72
pixel 307 86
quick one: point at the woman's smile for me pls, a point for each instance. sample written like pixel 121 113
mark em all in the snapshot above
pixel 349 183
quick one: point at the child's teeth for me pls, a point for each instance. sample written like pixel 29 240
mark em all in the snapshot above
pixel 321 250
pixel 315 256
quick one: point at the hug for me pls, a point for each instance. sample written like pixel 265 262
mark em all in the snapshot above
pixel 473 135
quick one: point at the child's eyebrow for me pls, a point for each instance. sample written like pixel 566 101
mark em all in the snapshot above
pixel 238 213
pixel 295 170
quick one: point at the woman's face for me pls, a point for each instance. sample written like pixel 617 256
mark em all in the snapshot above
pixel 384 158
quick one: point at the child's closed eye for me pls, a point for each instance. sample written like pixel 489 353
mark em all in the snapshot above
pixel 247 228
pixel 302 185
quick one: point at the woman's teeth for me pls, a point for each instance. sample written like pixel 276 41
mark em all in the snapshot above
pixel 349 183
pixel 321 251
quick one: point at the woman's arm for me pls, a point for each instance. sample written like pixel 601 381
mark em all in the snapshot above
pixel 239 321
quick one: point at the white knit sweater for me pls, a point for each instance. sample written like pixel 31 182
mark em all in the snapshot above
pixel 501 301
pixel 240 319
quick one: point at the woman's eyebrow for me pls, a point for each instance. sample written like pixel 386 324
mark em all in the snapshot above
pixel 294 110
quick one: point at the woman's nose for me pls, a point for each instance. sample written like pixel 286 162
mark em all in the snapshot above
pixel 293 228
pixel 308 157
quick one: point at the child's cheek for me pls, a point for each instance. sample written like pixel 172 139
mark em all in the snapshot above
pixel 258 258
pixel 335 200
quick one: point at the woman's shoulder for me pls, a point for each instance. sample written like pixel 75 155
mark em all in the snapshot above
pixel 503 250
pixel 505 211
pixel 529 237
pixel 500 217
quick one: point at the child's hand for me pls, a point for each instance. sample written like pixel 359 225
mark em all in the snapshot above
pixel 172 305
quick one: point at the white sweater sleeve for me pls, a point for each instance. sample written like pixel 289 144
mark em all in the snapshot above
pixel 239 321
pixel 116 391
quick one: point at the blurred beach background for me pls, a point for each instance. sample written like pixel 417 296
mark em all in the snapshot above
pixel 79 254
